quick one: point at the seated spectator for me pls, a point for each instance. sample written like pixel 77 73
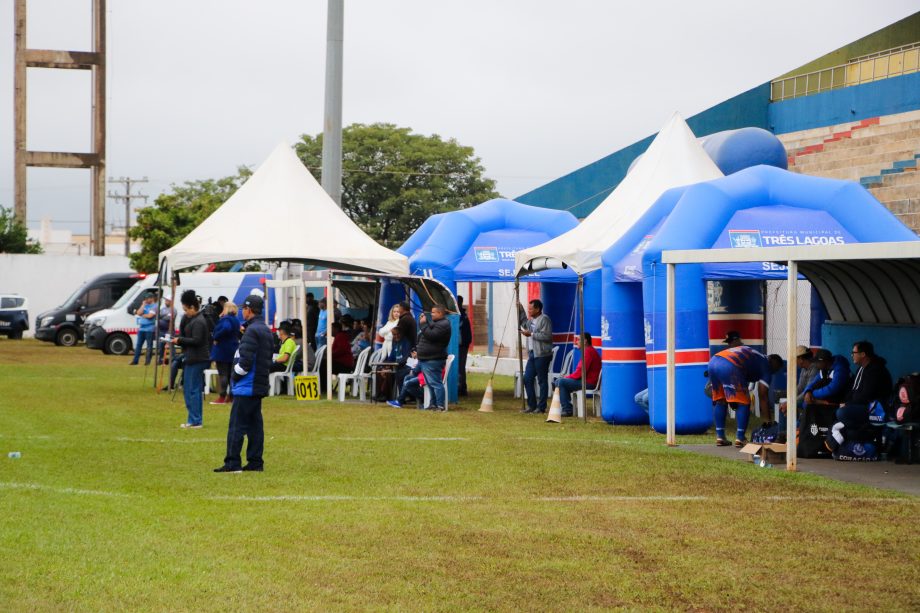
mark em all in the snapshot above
pixel 572 382
pixel 829 386
pixel 348 327
pixel 396 369
pixel 361 340
pixel 412 387
pixel 287 350
pixel 342 359
pixel 872 383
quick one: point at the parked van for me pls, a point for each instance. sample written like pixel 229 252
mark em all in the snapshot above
pixel 114 330
pixel 63 325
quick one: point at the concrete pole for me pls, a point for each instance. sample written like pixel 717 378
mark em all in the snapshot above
pixel 332 115
pixel 19 101
pixel 671 369
pixel 792 298
pixel 97 227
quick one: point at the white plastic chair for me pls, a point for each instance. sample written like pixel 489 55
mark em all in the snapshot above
pixel 595 395
pixel 353 377
pixel 368 377
pixel 208 374
pixel 564 370
pixel 519 382
pixel 450 360
pixel 288 374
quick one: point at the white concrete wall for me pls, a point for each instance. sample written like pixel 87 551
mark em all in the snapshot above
pixel 47 280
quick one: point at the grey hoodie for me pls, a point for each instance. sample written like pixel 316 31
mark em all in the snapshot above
pixel 542 337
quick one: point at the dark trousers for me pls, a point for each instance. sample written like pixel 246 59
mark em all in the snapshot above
pixel 223 378
pixel 537 373
pixel 245 420
pixel 461 371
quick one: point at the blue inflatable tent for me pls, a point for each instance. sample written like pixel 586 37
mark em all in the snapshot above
pixel 478 244
pixel 758 206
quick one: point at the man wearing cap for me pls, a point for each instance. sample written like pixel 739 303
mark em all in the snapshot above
pixel 830 385
pixel 730 372
pixel 251 366
pixel 808 370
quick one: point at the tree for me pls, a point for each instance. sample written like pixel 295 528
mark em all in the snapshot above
pixel 393 180
pixel 176 213
pixel 14 236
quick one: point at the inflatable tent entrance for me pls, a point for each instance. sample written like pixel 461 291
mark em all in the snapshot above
pixel 478 244
pixel 759 206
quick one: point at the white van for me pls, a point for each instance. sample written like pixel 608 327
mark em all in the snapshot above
pixel 114 330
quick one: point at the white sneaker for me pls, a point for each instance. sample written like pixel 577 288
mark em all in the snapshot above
pixel 187 426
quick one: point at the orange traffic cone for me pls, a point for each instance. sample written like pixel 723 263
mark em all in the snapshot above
pixel 555 409
pixel 486 406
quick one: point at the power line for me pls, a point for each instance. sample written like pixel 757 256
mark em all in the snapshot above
pixel 127 197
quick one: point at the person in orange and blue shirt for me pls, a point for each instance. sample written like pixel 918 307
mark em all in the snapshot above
pixel 730 372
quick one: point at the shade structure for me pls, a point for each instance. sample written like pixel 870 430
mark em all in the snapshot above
pixel 673 159
pixel 282 213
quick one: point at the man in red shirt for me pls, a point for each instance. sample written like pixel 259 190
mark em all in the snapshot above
pixel 572 383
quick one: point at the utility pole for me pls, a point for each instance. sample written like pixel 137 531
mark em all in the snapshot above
pixel 332 116
pixel 127 197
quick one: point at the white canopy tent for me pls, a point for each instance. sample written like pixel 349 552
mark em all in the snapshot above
pixel 282 213
pixel 673 159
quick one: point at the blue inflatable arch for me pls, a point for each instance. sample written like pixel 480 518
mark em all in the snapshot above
pixel 789 208
pixel 478 245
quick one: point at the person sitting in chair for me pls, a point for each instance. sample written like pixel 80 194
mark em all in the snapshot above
pixel 287 349
pixel 572 383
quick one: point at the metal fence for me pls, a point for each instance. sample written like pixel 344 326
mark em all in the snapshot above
pixel 873 67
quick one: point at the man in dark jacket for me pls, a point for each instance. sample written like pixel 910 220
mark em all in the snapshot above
pixel 250 384
pixel 312 320
pixel 871 383
pixel 406 324
pixel 196 347
pixel 431 348
pixel 466 339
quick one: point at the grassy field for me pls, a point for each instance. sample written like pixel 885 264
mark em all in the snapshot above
pixel 113 507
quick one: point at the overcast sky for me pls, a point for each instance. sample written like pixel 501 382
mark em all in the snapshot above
pixel 537 87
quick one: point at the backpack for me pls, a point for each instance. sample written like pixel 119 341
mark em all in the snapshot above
pixel 907 400
pixel 854 451
pixel 767 433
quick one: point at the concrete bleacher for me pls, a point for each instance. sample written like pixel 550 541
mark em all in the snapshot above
pixel 882 153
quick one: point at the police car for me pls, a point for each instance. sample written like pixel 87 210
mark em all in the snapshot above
pixel 14 315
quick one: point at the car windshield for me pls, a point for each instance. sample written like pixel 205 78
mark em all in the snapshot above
pixel 73 297
pixel 129 295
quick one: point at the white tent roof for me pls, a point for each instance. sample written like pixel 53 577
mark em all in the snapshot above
pixel 673 159
pixel 282 213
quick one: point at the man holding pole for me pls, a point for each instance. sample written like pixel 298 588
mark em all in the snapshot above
pixel 538 328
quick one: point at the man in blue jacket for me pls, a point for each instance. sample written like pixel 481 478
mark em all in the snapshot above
pixel 251 366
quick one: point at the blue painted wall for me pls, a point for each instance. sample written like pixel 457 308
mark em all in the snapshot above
pixel 897 344
pixel 885 97
pixel 582 190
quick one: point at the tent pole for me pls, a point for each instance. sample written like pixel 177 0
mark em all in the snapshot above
pixel 671 335
pixel 584 365
pixel 520 350
pixel 304 343
pixel 156 345
pixel 169 353
pixel 792 298
pixel 330 315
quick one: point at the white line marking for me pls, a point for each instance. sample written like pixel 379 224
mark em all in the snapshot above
pixel 59 490
pixel 622 498
pixel 574 440
pixel 335 498
pixel 125 439
pixel 33 437
pixel 397 438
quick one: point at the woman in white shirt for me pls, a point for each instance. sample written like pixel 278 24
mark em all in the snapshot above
pixel 386 331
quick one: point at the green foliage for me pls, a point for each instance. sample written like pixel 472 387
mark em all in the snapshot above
pixel 14 236
pixel 176 213
pixel 393 180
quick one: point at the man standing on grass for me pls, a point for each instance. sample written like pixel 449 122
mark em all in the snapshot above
pixel 252 364
pixel 433 338
pixel 538 328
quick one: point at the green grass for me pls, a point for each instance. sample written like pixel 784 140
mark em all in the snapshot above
pixel 112 507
